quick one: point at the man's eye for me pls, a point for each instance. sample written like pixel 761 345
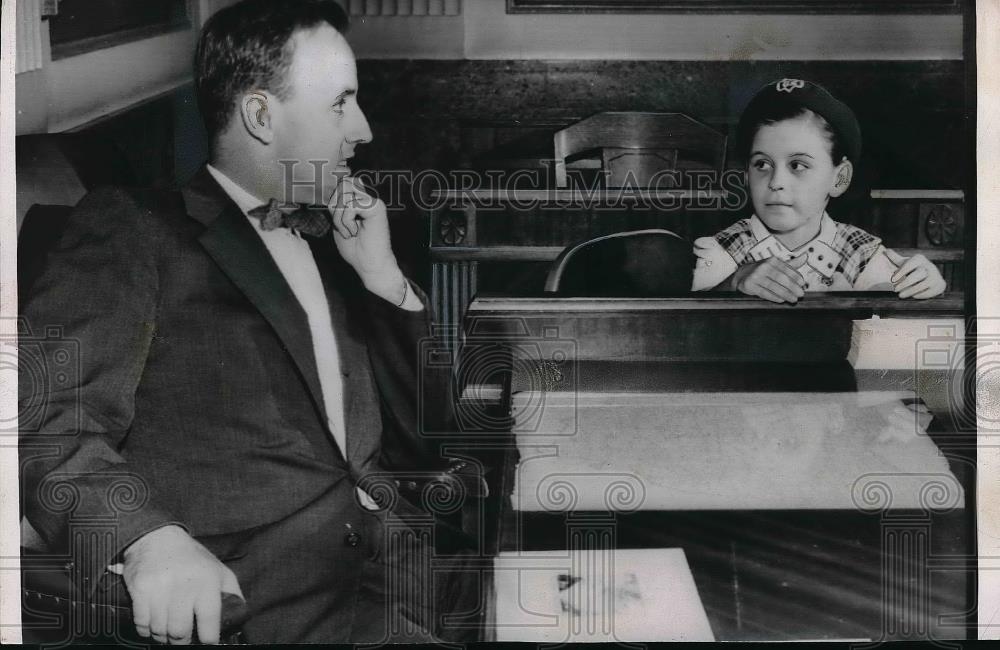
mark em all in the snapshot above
pixel 339 106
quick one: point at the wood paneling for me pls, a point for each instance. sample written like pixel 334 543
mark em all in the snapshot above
pixel 733 6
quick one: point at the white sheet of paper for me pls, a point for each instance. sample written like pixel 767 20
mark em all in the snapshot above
pixel 908 344
pixel 731 451
pixel 595 595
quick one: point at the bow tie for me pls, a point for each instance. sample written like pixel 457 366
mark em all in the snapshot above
pixel 310 220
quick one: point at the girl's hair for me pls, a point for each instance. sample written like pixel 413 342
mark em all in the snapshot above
pixel 787 99
pixel 779 111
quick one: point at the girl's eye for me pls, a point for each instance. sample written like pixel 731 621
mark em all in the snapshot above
pixel 339 106
pixel 798 166
pixel 761 164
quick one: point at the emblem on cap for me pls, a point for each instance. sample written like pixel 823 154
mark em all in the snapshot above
pixel 788 85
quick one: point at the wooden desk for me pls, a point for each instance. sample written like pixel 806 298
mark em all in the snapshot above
pixel 775 566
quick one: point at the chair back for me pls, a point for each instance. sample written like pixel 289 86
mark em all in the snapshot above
pixel 638 263
pixel 641 144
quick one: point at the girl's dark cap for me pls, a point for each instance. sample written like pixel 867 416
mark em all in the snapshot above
pixel 804 94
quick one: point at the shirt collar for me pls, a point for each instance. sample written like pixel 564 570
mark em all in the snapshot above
pixel 827 230
pixel 243 199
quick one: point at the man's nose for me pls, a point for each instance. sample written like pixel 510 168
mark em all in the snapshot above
pixel 360 132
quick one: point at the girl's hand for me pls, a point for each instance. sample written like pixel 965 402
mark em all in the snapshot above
pixel 771 279
pixel 917 277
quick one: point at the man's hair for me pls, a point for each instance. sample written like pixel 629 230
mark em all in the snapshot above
pixel 248 46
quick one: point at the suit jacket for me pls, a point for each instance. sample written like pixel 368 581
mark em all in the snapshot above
pixel 191 394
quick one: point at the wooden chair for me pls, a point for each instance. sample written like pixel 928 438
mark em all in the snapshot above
pixel 642 144
pixel 639 263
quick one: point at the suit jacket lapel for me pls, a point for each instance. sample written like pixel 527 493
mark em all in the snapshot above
pixel 235 246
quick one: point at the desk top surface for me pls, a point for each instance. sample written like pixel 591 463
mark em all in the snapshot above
pixel 878 302
pixel 727 451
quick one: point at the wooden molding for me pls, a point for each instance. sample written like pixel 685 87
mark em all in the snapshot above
pixel 403 8
pixel 736 6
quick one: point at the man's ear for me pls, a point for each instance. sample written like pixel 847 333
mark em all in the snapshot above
pixel 843 174
pixel 256 117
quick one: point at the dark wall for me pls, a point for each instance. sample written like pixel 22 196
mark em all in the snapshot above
pixel 435 112
pixel 455 114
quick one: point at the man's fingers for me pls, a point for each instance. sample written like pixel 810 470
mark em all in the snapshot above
pixel 140 614
pixel 175 583
pixel 230 585
pixel 180 619
pixel 363 201
pixel 350 217
pixel 341 208
pixel 338 208
pixel 340 218
pixel 208 615
pixel 158 618
pixel 336 219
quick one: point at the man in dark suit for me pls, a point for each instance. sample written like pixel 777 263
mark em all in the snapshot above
pixel 240 371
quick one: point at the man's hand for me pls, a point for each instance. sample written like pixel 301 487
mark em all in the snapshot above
pixel 175 582
pixel 917 276
pixel 362 238
pixel 771 279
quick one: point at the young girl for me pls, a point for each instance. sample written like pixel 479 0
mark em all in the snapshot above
pixel 800 143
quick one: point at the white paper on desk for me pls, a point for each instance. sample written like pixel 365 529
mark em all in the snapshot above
pixel 598 595
pixel 730 451
pixel 907 344
pixel 924 355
